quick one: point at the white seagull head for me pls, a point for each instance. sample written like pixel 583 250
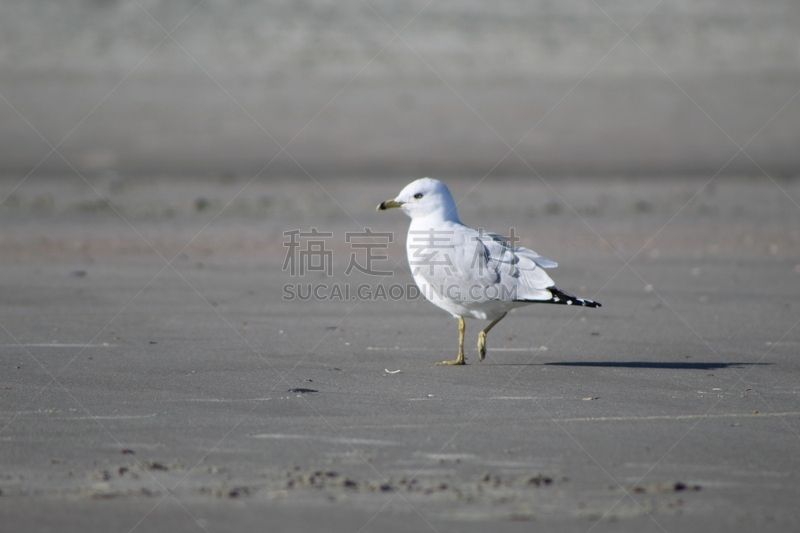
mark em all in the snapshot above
pixel 424 198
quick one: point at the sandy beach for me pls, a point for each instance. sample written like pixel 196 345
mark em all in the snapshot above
pixel 206 326
pixel 154 378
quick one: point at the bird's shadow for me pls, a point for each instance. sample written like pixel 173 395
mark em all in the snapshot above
pixel 664 365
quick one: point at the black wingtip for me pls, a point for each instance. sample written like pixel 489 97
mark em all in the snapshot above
pixel 562 298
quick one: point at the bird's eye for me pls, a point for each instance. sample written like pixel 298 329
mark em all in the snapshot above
pixel 418 195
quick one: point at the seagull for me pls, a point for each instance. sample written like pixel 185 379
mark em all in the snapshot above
pixel 468 272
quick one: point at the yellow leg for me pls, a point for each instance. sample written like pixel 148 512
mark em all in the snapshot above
pixel 482 338
pixel 460 359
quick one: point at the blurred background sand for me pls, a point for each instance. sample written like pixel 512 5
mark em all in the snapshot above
pixel 374 88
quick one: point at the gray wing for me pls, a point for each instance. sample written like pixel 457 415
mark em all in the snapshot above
pixel 501 250
pixel 518 270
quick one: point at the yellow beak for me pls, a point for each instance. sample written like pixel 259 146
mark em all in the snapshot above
pixel 388 204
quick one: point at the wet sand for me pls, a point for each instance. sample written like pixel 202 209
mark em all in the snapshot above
pixel 155 379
